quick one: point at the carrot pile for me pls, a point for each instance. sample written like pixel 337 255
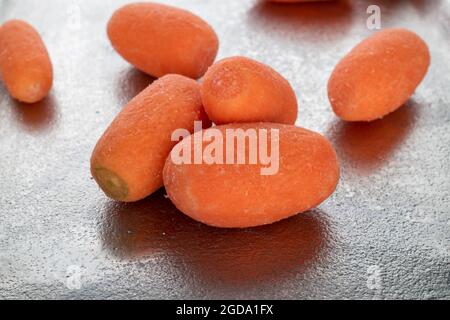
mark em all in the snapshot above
pixel 295 171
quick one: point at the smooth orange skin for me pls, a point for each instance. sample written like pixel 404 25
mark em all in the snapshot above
pixel 239 89
pixel 379 75
pixel 25 65
pixel 159 39
pixel 238 196
pixel 138 141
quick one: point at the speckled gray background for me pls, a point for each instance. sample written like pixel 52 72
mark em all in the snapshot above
pixel 385 233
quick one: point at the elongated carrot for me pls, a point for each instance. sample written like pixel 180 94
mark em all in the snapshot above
pixel 378 75
pixel 128 160
pixel 160 39
pixel 25 65
pixel 303 173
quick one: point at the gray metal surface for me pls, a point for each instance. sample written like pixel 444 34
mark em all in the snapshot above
pixel 385 233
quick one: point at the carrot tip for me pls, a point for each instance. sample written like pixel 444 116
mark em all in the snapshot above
pixel 111 184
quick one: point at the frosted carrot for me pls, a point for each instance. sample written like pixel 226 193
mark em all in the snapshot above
pixel 128 160
pixel 378 75
pixel 25 65
pixel 160 39
pixel 239 89
pixel 224 193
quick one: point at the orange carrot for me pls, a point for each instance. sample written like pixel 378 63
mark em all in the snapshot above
pixel 128 160
pixel 378 75
pixel 160 39
pixel 25 65
pixel 237 195
pixel 239 89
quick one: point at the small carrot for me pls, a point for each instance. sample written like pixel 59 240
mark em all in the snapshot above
pixel 159 39
pixel 238 195
pixel 25 65
pixel 239 89
pixel 128 160
pixel 378 75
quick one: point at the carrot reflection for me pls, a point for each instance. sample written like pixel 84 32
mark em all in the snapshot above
pixel 365 146
pixel 36 117
pixel 154 227
pixel 130 83
pixel 315 21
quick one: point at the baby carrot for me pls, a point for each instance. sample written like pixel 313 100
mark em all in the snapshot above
pixel 128 160
pixel 239 89
pixel 25 65
pixel 159 39
pixel 237 195
pixel 378 75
